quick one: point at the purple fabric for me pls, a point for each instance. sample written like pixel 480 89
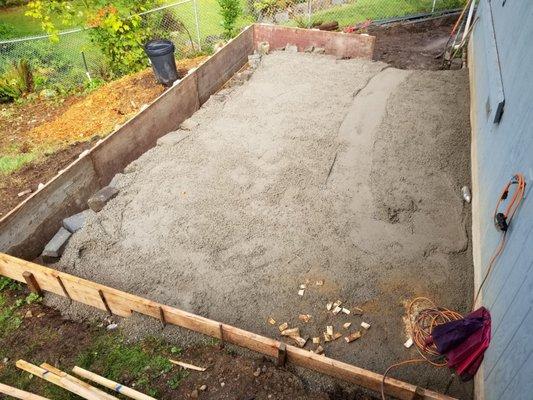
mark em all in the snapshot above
pixel 451 334
pixel 464 342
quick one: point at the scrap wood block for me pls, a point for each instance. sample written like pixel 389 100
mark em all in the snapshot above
pixel 293 332
pixel 304 317
pixel 353 336
pixel 300 341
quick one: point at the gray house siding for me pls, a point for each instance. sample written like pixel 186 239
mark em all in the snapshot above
pixel 501 66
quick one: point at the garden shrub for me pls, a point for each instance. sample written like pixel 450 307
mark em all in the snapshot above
pixel 54 65
pixel 16 81
pixel 230 11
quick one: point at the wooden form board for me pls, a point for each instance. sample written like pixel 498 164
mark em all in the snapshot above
pixel 123 304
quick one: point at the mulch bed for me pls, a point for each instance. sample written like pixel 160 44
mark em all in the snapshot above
pixel 69 126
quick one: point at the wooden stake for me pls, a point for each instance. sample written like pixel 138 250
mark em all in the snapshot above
pixel 117 387
pixel 123 304
pixel 101 293
pixel 187 365
pixel 162 317
pixel 19 394
pixel 32 283
pixel 63 288
pixel 58 372
pixel 61 381
pixel 282 354
pixel 221 344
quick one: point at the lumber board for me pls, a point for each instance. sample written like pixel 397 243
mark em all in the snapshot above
pixel 19 394
pixel 61 381
pixel 25 229
pixel 102 395
pixel 122 303
pixel 212 75
pixel 108 383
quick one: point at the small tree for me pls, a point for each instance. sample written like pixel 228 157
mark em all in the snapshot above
pixel 230 10
pixel 117 29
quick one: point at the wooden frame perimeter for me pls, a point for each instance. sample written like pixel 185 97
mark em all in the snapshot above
pixel 40 278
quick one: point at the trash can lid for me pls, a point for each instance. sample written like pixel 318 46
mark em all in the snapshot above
pixel 159 47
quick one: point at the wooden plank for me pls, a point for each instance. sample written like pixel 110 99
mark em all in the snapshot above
pixel 108 383
pixel 27 228
pixel 187 365
pixel 118 301
pixel 342 45
pixel 102 395
pixel 212 75
pixel 140 134
pixel 19 394
pixel 60 381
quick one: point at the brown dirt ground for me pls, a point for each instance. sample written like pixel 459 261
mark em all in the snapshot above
pixel 45 336
pixel 412 45
pixel 69 126
pixel 29 176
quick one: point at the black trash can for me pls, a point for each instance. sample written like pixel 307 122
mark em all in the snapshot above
pixel 161 54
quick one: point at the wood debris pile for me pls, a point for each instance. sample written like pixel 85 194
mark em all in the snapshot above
pixel 339 309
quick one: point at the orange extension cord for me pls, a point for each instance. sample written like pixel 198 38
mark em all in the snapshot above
pixel 423 321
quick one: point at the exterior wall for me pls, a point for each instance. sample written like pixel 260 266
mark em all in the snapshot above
pixel 501 58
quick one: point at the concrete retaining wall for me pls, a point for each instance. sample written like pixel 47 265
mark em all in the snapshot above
pixel 339 44
pixel 25 230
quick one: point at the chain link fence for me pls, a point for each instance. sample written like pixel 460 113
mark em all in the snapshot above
pixel 309 13
pixel 193 26
pixel 75 59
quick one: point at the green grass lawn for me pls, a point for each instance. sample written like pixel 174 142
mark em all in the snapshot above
pixel 16 24
pixel 360 10
pixel 13 23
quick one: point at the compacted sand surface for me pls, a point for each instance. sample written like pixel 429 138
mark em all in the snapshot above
pixel 346 171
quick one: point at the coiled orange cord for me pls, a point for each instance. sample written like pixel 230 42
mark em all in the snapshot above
pixel 423 321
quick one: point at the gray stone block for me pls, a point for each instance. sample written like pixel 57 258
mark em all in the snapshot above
pixel 281 17
pixel 75 222
pixel 116 178
pixel 291 48
pixel 100 198
pixel 188 124
pixel 172 138
pixel 54 248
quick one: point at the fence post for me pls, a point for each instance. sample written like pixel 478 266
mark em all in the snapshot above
pixel 309 13
pixel 195 7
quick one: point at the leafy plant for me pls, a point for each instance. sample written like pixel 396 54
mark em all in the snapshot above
pixel 230 10
pixel 270 7
pixel 301 21
pixel 121 39
pixel 6 30
pixel 16 81
pixel 119 31
pixel 10 284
